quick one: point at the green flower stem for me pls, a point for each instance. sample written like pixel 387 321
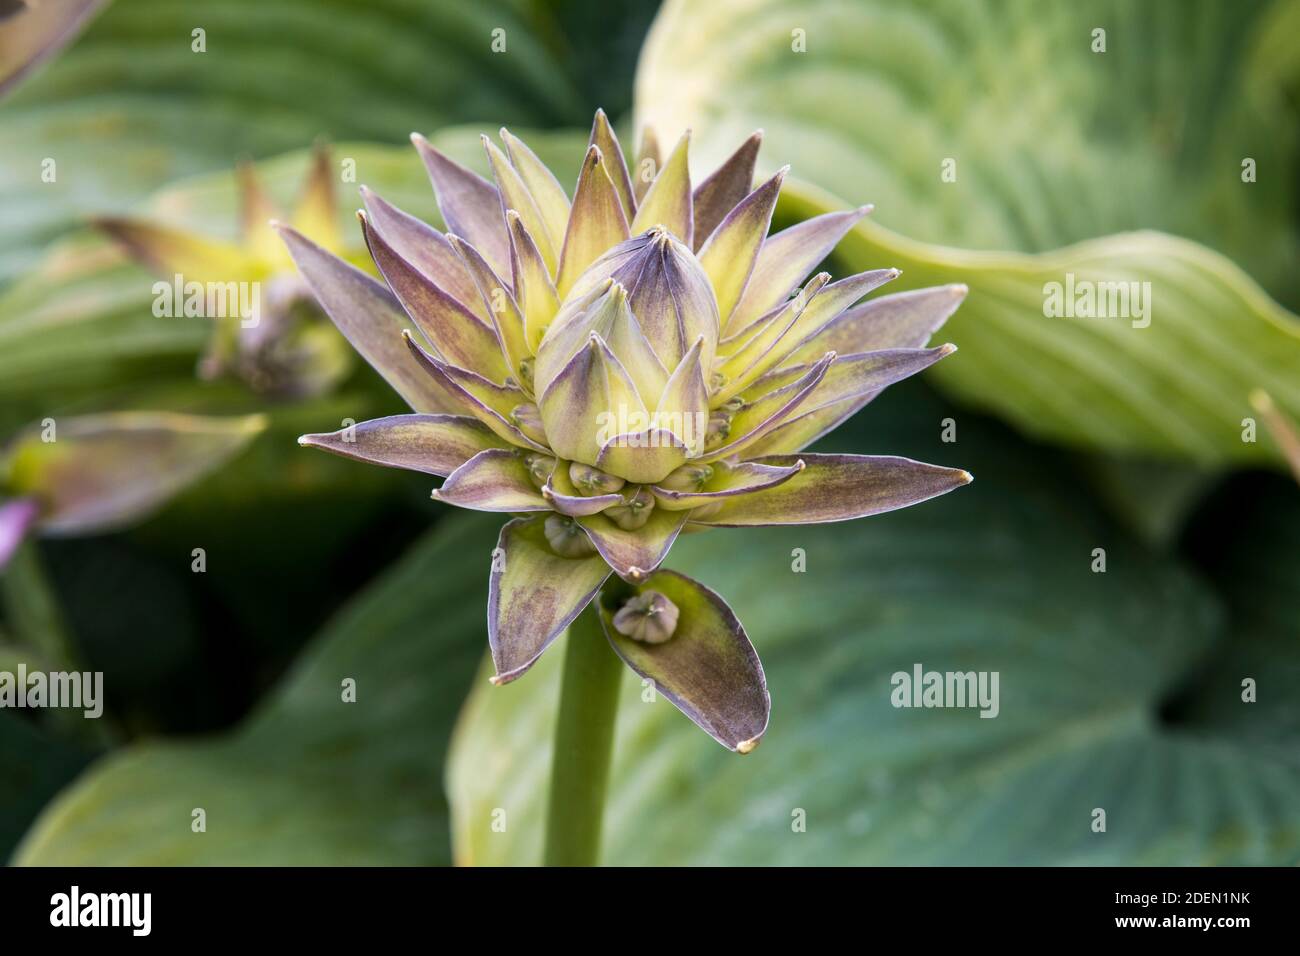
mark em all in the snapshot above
pixel 584 744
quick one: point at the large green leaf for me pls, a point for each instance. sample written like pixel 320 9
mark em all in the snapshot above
pixel 997 577
pixel 132 105
pixel 1054 145
pixel 310 779
pixel 34 765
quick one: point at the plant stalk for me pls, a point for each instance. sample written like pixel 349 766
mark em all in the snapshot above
pixel 584 744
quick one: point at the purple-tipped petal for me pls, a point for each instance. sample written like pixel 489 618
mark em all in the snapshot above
pixel 851 376
pixel 16 518
pixel 727 481
pixel 645 456
pixel 515 196
pixel 507 319
pixel 729 254
pixel 767 347
pixel 708 669
pixel 830 302
pixel 647 163
pixel 578 403
pixel 470 205
pixel 766 414
pixel 470 395
pixel 635 553
pixel 433 444
pixel 534 290
pixel 39 31
pixel 904 320
pixel 457 333
pixel 551 199
pixel 603 137
pixel 369 316
pixel 425 248
pixel 722 191
pixel 837 488
pixel 564 497
pixel 668 201
pixel 596 222
pixel 533 595
pixel 103 472
pixel 493 480
pixel 786 258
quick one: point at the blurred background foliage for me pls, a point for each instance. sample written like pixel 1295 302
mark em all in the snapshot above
pixel 1119 690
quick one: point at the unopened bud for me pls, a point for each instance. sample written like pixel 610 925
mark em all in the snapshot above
pixel 566 537
pixel 688 478
pixel 634 513
pixel 592 481
pixel 649 617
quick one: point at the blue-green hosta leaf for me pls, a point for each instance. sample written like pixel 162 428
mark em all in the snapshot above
pixel 1096 144
pixel 309 779
pixel 996 579
pixel 1051 142
pixel 133 103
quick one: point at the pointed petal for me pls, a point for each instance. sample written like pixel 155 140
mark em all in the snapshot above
pixel 684 404
pixel 729 184
pixel 433 444
pixel 852 376
pixel 767 347
pixel 602 137
pixel 902 320
pixel 786 258
pixel 728 481
pixel 426 249
pixel 106 471
pixel 533 595
pixel 493 480
pixel 170 252
pixel 16 518
pixel 507 320
pixel 256 210
pixel 534 291
pixel 729 254
pixel 370 317
pixel 754 421
pixel 671 298
pixel 41 32
pixel 634 554
pixel 470 205
pixel 549 196
pixel 837 488
pixel 647 163
pixel 645 456
pixel 708 669
pixel 578 403
pixel 469 394
pixel 668 200
pixel 830 302
pixel 515 195
pixel 316 212
pixel 457 333
pixel 596 222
